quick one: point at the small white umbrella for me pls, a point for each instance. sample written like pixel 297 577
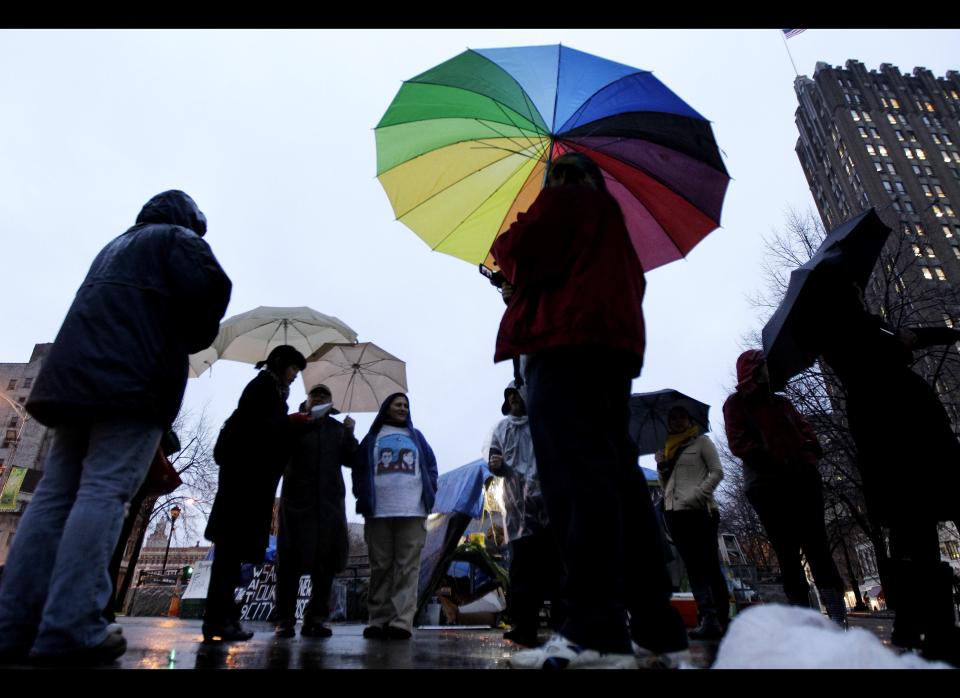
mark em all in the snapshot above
pixel 360 376
pixel 249 337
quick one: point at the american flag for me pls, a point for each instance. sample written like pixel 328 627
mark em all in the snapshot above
pixel 790 33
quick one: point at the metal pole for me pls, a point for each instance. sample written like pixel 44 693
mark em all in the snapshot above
pixel 166 552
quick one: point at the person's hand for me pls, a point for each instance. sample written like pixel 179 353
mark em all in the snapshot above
pixel 507 291
pixel 907 338
pixel 349 424
pixel 495 462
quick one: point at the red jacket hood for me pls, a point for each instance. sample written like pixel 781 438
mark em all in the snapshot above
pixel 747 365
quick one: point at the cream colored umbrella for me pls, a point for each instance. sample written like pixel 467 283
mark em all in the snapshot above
pixel 249 337
pixel 360 376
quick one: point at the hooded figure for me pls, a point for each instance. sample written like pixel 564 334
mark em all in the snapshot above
pixel 779 450
pixel 153 296
pixel 110 385
pixel 395 483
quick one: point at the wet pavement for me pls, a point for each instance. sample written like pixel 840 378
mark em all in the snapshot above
pixel 172 643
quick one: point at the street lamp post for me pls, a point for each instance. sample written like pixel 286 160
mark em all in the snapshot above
pixel 174 513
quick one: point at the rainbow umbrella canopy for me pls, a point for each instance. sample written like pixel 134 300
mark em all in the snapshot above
pixel 464 148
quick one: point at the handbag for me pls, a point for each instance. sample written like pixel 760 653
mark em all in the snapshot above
pixel 162 478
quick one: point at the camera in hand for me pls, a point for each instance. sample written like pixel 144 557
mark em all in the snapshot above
pixel 495 277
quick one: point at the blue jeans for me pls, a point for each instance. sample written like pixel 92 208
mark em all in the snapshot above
pixel 56 583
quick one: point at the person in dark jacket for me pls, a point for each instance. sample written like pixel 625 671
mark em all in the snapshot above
pixel 313 522
pixel 779 450
pixel 394 502
pixel 897 421
pixel 258 436
pixel 574 320
pixel 110 386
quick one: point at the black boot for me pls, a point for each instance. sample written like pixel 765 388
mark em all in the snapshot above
pixel 836 608
pixel 941 637
pixel 710 628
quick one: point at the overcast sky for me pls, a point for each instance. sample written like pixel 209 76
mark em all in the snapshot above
pixel 272 133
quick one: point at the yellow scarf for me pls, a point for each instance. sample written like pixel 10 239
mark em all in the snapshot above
pixel 674 441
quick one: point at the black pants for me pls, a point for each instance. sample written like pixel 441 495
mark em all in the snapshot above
pixel 791 511
pixel 598 502
pixel 694 533
pixel 535 574
pixel 288 588
pixel 222 608
pixel 920 586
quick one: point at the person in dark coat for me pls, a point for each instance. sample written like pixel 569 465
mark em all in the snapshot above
pixel 780 451
pixel 313 521
pixel 395 493
pixel 898 422
pixel 574 320
pixel 110 386
pixel 258 437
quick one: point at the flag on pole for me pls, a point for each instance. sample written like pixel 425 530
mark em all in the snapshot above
pixel 790 33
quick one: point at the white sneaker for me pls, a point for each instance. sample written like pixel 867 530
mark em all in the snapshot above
pixel 114 629
pixel 681 659
pixel 561 653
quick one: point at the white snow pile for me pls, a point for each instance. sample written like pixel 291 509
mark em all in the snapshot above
pixel 775 636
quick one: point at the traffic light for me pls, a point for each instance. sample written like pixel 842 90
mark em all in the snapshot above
pixel 187 573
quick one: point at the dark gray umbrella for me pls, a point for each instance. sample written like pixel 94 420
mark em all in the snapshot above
pixel 848 253
pixel 648 417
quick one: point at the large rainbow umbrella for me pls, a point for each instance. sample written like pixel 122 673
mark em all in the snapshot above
pixel 463 148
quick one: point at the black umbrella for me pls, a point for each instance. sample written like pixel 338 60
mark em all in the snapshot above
pixel 848 253
pixel 648 417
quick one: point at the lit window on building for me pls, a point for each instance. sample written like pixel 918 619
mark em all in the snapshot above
pixel 947 233
pixel 891 169
pixel 871 150
pixel 936 138
pixel 899 135
pixel 940 275
pixel 948 209
pixel 855 115
pixel 862 131
pixel 920 154
pixel 926 190
pixel 899 187
pixel 956 252
pixel 919 227
pixel 916 169
pixel 873 132
pixel 938 190
pixel 947 320
pixel 930 106
pixel 890 117
pixel 867 117
pixel 878 165
pixel 894 103
pixel 937 211
pixel 882 149
pixel 888 186
pixel 929 252
pixel 916 250
pixel 927 274
pixel 906 151
pixel 946 139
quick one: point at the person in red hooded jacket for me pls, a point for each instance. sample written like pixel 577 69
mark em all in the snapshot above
pixel 780 451
pixel 574 322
